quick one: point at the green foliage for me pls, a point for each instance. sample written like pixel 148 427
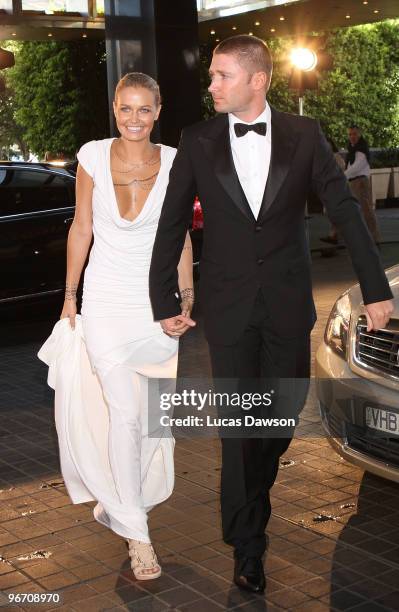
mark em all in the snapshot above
pixel 60 94
pixel 10 132
pixel 280 95
pixel 387 158
pixel 362 87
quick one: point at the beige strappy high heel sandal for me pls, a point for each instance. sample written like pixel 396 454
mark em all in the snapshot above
pixel 143 560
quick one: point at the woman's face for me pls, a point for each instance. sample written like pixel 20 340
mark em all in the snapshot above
pixel 135 111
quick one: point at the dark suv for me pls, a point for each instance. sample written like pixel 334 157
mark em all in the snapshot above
pixel 37 203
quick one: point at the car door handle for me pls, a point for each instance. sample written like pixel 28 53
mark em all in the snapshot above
pixel 68 221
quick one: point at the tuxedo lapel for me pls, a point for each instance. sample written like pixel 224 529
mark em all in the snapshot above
pixel 218 150
pixel 283 147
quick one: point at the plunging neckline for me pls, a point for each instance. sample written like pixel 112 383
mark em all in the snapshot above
pixel 115 199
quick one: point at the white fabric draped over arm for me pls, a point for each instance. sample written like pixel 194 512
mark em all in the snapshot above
pixel 360 167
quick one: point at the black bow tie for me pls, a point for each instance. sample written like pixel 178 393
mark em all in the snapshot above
pixel 243 128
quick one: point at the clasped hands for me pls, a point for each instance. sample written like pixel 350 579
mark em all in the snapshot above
pixel 178 325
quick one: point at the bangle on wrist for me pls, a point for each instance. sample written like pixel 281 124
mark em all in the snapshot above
pixel 70 292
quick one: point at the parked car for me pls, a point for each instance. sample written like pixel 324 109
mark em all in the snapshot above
pixel 357 384
pixel 36 209
pixel 37 204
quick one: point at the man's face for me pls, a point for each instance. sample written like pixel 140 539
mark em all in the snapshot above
pixel 354 136
pixel 231 85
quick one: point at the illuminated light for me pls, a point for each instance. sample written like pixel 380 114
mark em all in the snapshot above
pixel 234 28
pixel 218 40
pixel 14 34
pixel 272 29
pixel 347 16
pixel 365 2
pixel 58 163
pixel 213 32
pixel 304 59
pixel 49 34
pixel 84 35
pixel 214 9
pixel 257 23
pixel 250 33
pixel 376 11
pixel 282 18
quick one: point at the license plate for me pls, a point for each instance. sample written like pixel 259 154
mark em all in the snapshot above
pixel 382 420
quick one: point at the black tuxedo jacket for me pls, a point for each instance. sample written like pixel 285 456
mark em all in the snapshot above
pixel 242 255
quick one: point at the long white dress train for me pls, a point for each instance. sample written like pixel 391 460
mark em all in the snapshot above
pixel 126 348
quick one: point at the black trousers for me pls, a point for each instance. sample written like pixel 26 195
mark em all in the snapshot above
pixel 250 464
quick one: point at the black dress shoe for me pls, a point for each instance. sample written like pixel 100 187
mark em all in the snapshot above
pixel 249 574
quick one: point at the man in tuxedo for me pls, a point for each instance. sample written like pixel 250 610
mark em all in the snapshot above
pixel 252 168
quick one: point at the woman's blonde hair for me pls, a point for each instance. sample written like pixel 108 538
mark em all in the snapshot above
pixel 139 79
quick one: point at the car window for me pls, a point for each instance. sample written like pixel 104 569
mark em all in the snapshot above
pixel 24 190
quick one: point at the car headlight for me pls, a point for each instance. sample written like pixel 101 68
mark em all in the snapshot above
pixel 336 334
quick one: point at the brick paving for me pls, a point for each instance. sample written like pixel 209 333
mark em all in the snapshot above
pixel 350 562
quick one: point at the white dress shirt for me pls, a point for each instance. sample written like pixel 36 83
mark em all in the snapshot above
pixel 360 167
pixel 251 156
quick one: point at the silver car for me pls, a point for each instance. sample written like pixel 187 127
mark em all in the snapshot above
pixel 357 382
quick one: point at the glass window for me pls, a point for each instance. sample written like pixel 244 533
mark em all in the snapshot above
pixel 209 9
pixel 23 191
pixel 6 6
pixel 100 7
pixel 49 7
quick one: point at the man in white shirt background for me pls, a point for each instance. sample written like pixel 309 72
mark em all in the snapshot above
pixel 358 174
pixel 357 171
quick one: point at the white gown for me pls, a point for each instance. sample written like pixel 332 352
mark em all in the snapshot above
pixel 125 347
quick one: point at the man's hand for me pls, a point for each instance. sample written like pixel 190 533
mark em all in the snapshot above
pixel 378 314
pixel 177 326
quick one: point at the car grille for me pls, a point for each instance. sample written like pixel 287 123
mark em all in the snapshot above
pixel 335 424
pixel 378 350
pixel 379 446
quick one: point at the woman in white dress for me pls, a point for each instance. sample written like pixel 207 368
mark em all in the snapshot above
pixel 120 188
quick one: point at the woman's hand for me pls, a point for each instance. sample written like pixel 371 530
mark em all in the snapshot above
pixel 69 311
pixel 177 326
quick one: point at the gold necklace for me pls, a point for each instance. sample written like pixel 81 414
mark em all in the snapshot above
pixel 150 162
pixel 145 184
pixel 136 180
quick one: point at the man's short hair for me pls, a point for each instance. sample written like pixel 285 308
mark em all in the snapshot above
pixel 252 53
pixel 353 126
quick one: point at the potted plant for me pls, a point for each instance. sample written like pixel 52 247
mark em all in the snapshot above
pixel 381 172
pixel 393 162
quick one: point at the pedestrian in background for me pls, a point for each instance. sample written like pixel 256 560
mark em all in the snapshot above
pixel 358 174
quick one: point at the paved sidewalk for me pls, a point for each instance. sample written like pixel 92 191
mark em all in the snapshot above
pixel 333 535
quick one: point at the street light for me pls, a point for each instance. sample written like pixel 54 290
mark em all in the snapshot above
pixel 304 59
pixel 308 59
